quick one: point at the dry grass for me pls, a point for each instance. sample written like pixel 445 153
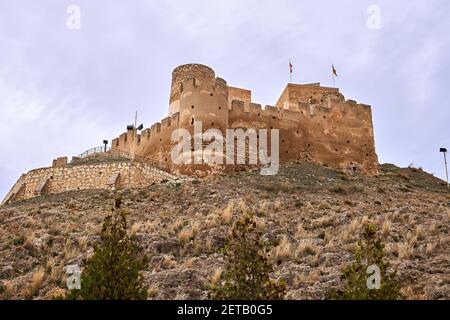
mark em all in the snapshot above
pixel 301 233
pixel 283 251
pixel 305 248
pixel 215 278
pixel 152 291
pixel 8 290
pixel 263 207
pixel 277 205
pixel 184 236
pixel 429 250
pixel 227 213
pixel 69 251
pixel 82 243
pixel 35 285
pixel 386 228
pixel 168 262
pixel 323 222
pixel 136 227
pixel 405 250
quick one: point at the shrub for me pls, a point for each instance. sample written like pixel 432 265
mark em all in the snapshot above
pixel 370 251
pixel 113 272
pixel 247 271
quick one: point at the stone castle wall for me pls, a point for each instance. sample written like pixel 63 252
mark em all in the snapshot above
pixel 110 175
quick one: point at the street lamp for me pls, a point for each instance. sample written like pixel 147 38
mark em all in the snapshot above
pixel 105 142
pixel 444 151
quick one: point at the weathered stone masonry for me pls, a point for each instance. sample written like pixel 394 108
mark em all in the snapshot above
pixel 110 175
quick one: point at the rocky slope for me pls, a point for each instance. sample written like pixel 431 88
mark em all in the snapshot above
pixel 311 215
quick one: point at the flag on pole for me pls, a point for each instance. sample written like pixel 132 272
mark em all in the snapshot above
pixel 334 70
pixel 290 69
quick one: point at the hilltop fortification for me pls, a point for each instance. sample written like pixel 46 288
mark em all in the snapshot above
pixel 316 124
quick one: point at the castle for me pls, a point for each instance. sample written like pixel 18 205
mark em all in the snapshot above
pixel 315 124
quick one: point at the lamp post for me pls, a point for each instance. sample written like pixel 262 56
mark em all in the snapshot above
pixel 444 151
pixel 133 127
pixel 105 142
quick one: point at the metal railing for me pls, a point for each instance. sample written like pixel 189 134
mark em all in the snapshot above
pixel 128 155
pixel 93 151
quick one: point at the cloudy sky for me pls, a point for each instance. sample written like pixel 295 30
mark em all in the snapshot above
pixel 64 90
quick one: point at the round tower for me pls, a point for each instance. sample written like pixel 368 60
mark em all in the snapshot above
pixel 199 96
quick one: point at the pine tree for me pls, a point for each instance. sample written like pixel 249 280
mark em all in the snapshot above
pixel 114 271
pixel 247 273
pixel 370 251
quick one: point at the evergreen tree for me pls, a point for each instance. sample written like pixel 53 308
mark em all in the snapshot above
pixel 370 251
pixel 114 271
pixel 247 274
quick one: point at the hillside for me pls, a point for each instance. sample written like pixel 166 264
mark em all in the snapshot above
pixel 312 213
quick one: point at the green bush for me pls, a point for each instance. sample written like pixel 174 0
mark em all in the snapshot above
pixel 370 251
pixel 113 272
pixel 247 271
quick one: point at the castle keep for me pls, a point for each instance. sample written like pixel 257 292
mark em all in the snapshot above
pixel 315 124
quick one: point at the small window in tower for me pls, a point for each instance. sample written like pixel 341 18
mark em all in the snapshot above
pixel 211 94
pixel 336 150
pixel 324 117
pixel 309 145
pixel 282 140
pixel 192 121
pixel 259 114
pixel 298 132
pixel 212 123
pixel 100 173
pixel 367 154
pixel 220 108
pixel 348 141
pixel 273 118
pixel 192 107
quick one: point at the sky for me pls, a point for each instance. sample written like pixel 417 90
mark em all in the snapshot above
pixel 65 86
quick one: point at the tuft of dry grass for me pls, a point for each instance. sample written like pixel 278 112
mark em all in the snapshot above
pixel 429 250
pixel 35 285
pixel 282 251
pixel 301 233
pixel 8 289
pixel 386 228
pixel 215 278
pixel 152 291
pixel 184 236
pixel 82 243
pixel 405 250
pixel 305 248
pixel 136 227
pixel 277 205
pixel 227 213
